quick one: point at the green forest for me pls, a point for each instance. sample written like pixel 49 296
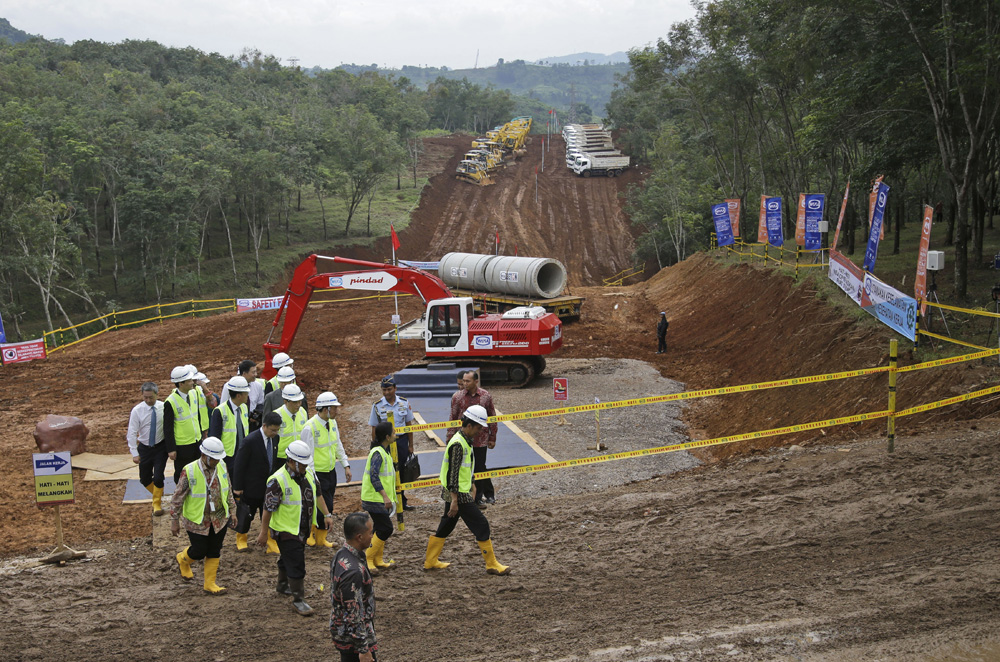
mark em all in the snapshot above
pixel 125 168
pixel 782 97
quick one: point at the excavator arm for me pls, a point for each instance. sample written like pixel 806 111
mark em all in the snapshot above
pixel 372 276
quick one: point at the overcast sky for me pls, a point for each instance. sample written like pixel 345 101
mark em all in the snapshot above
pixel 384 32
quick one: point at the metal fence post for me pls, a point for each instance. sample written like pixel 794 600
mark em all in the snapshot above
pixel 891 422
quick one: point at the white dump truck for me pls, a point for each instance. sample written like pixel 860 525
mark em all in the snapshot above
pixel 591 165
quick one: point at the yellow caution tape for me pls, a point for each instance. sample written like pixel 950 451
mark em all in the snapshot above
pixel 949 361
pixel 950 401
pixel 951 340
pixel 656 399
pixel 970 311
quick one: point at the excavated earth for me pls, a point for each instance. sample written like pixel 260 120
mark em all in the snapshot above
pixel 814 546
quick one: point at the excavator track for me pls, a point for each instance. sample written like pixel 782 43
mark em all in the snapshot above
pixel 495 371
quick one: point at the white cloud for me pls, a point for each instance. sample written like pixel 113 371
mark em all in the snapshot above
pixel 384 32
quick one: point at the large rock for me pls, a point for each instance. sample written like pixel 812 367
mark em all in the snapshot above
pixel 61 433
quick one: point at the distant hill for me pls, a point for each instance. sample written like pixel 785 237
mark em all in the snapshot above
pixel 12 34
pixel 579 59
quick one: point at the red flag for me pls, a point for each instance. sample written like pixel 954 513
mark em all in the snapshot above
pixel 515 250
pixel 395 239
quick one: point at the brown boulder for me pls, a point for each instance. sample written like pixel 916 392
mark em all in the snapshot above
pixel 61 433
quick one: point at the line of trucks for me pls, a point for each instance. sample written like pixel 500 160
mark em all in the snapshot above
pixel 494 150
pixel 590 151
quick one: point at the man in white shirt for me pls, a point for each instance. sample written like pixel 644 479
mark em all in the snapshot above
pixel 145 443
pixel 322 436
pixel 247 369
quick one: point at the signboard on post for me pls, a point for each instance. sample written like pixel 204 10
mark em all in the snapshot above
pixel 560 388
pixel 53 478
pixel 19 352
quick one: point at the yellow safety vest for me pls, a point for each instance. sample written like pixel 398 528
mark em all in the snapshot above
pixel 186 429
pixel 202 406
pixel 288 516
pixel 197 496
pixel 465 472
pixel 386 474
pixel 229 425
pixel 324 443
pixel 291 428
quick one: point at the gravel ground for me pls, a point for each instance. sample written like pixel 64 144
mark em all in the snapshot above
pixel 623 429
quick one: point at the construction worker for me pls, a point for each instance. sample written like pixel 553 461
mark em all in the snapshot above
pixel 204 500
pixel 352 594
pixel 181 426
pixel 289 513
pixel 231 420
pixel 247 369
pixel 378 487
pixel 395 410
pixel 293 417
pixel 145 443
pixel 200 381
pixel 272 400
pixel 661 333
pixel 322 435
pixel 256 460
pixel 459 494
pixel 278 361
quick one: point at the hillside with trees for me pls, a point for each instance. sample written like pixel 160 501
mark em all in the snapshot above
pixel 788 96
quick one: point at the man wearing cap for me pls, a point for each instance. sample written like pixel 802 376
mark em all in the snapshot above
pixel 459 495
pixel 204 500
pixel 273 400
pixel 278 361
pixel 396 410
pixel 145 443
pixel 256 460
pixel 470 394
pixel 661 333
pixel 247 369
pixel 290 513
pixel 322 436
pixel 181 426
pixel 293 417
pixel 231 420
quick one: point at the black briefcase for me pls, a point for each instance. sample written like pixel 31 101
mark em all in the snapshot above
pixel 411 470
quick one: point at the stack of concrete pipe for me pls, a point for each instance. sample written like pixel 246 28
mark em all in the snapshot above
pixel 535 277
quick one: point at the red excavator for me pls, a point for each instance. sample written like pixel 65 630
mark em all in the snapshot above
pixel 508 348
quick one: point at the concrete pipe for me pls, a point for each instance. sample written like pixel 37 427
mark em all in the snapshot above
pixel 465 270
pixel 537 277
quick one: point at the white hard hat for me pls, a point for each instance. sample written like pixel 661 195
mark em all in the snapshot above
pixel 212 447
pixel 181 373
pixel 200 377
pixel 238 384
pixel 194 370
pixel 327 399
pixel 280 360
pixel 477 414
pixel 286 374
pixel 292 392
pixel 299 451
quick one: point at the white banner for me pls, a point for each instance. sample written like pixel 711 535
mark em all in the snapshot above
pixel 380 281
pixel 250 305
pixel 844 274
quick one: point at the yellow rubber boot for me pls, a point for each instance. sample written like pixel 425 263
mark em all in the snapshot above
pixel 379 549
pixel 321 538
pixel 184 561
pixel 311 540
pixel 241 542
pixel 149 488
pixel 211 569
pixel 157 501
pixel 493 566
pixel 370 556
pixel 434 547
pixel 272 545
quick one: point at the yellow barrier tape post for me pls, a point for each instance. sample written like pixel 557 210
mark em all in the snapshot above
pixel 398 496
pixel 891 420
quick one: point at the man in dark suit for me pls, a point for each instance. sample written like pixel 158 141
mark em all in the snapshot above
pixel 256 460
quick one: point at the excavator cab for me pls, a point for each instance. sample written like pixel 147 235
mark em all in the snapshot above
pixel 448 325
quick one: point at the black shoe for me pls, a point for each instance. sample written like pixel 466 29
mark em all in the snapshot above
pixel 490 500
pixel 409 507
pixel 482 506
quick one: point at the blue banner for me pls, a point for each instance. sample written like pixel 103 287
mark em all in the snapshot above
pixel 876 229
pixel 815 203
pixel 3 336
pixel 775 231
pixel 723 227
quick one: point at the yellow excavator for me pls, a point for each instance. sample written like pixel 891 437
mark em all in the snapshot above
pixel 473 172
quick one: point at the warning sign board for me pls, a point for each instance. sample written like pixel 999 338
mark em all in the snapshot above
pixel 53 478
pixel 19 352
pixel 560 388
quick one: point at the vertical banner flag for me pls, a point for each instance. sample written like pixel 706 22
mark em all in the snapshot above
pixel 872 197
pixel 395 239
pixel 723 229
pixel 920 284
pixel 814 204
pixel 840 219
pixel 775 232
pixel 497 241
pixel 800 221
pixel 762 221
pixel 881 198
pixel 734 216
pixel 3 336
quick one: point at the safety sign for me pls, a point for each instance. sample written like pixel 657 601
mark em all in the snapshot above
pixel 53 478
